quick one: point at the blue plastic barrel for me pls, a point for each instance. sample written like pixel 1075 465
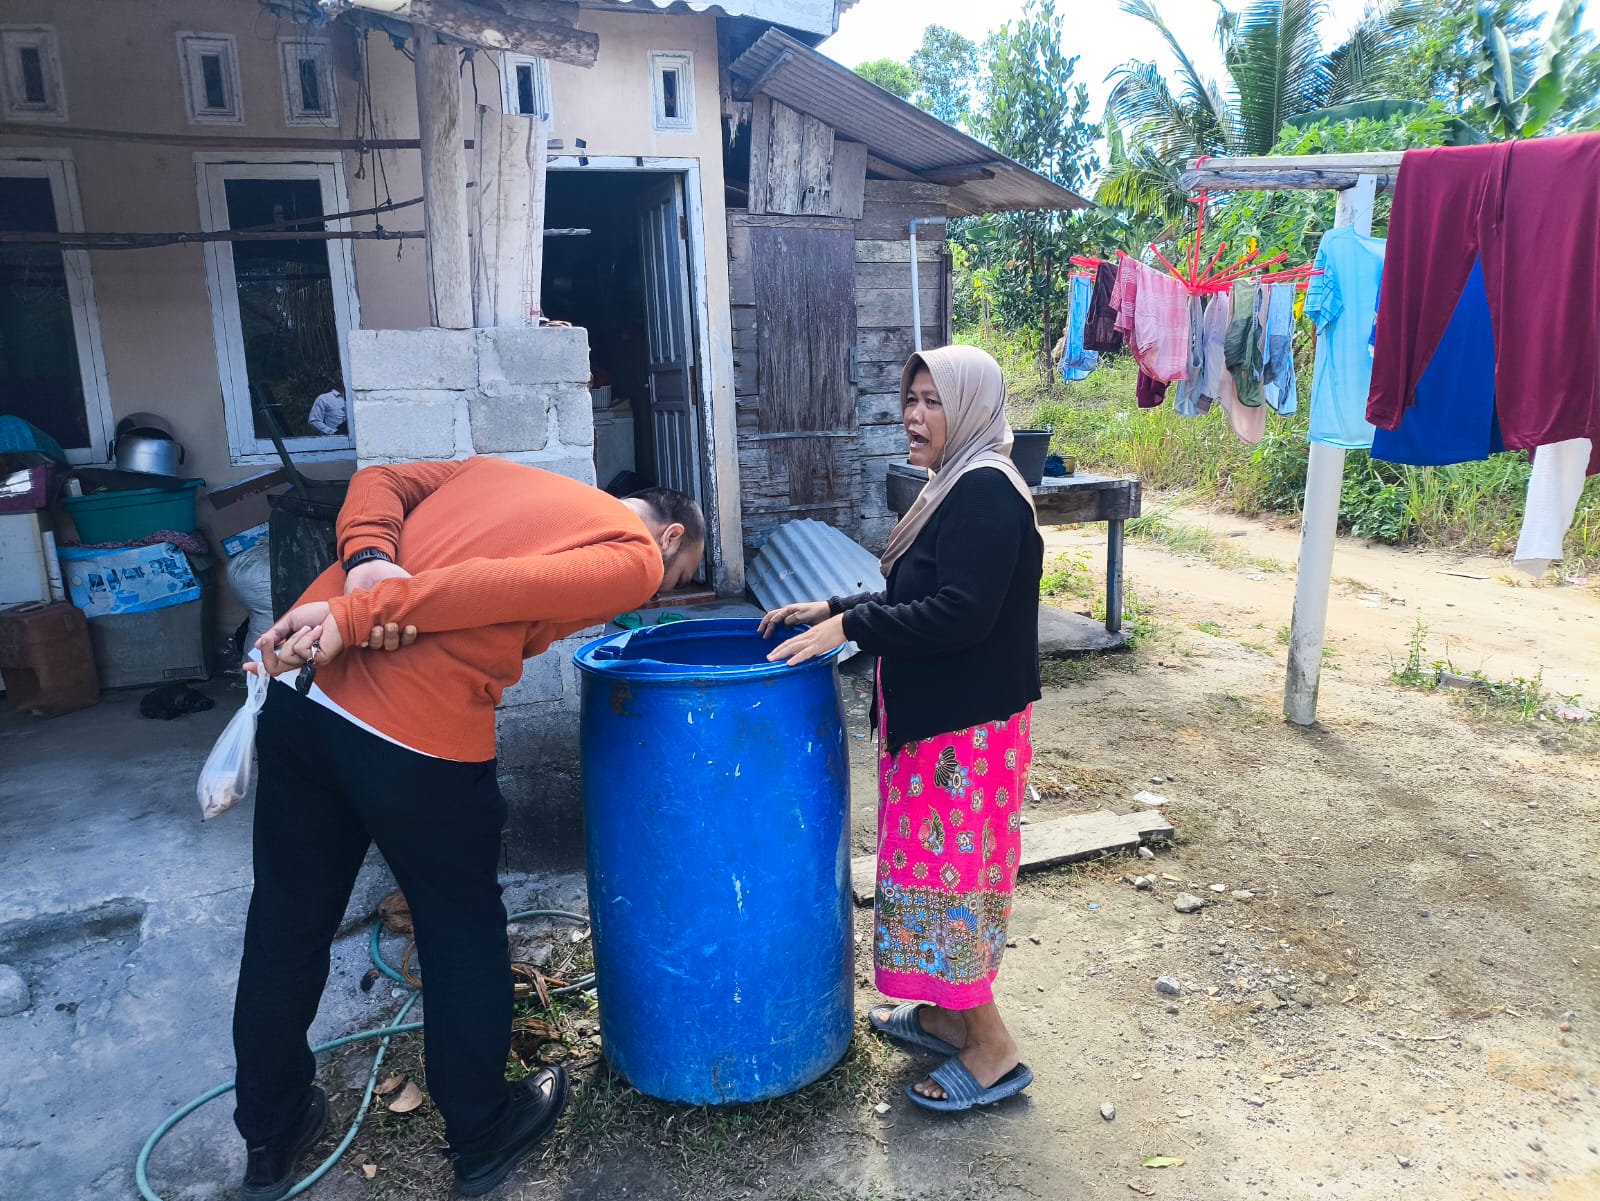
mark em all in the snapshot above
pixel 716 794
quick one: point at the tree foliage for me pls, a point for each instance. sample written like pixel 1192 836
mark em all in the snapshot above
pixel 946 69
pixel 893 77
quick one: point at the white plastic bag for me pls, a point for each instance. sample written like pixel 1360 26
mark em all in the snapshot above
pixel 225 778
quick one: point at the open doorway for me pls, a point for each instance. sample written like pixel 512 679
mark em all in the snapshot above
pixel 628 282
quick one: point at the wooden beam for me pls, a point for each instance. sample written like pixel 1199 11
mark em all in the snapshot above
pixel 503 218
pixel 883 167
pixel 951 176
pixel 444 182
pixel 550 34
pixel 1384 162
pixel 151 241
pixel 1277 181
pixel 222 141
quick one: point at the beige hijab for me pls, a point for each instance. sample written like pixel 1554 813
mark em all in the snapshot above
pixel 973 393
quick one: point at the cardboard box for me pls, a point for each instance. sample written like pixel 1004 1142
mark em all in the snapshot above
pixel 137 579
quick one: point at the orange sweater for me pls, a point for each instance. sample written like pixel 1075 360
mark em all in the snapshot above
pixel 504 559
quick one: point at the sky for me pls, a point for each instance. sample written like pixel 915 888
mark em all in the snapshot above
pixel 1097 31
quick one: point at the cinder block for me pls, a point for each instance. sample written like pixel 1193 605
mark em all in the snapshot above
pixel 508 417
pixel 577 415
pixel 388 360
pixel 399 427
pixel 560 460
pixel 542 681
pixel 534 355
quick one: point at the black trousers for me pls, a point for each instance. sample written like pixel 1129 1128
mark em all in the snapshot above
pixel 327 790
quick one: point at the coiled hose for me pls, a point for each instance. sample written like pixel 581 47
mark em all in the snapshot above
pixel 141 1168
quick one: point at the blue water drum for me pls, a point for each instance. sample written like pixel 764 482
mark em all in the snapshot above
pixel 716 794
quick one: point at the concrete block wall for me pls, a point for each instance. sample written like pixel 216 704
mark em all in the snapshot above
pixel 520 394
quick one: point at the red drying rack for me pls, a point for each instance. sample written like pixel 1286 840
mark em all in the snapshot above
pixel 1210 281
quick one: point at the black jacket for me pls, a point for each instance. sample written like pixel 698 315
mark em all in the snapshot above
pixel 957 632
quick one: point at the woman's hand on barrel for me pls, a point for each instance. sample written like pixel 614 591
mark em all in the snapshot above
pixel 806 613
pixel 819 640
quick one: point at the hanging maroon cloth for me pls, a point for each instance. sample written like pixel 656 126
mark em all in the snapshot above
pixel 1531 211
pixel 1100 326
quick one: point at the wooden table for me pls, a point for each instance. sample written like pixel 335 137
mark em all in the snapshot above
pixel 1060 500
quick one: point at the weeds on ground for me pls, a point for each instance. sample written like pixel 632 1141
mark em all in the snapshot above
pixel 1209 627
pixel 1159 529
pixel 1519 699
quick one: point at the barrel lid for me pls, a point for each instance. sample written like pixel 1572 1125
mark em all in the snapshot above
pixel 712 649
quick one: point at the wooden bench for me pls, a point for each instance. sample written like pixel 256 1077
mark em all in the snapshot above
pixel 1060 500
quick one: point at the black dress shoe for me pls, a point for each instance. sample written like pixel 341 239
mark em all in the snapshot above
pixel 270 1170
pixel 536 1103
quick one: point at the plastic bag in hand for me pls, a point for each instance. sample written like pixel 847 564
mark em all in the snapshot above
pixel 225 778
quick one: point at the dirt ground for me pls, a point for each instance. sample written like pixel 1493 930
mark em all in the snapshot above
pixel 1406 1004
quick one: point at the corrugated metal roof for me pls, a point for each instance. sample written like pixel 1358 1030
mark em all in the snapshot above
pixel 808 561
pixel 811 16
pixel 895 131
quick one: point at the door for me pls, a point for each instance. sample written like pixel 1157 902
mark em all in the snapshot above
pixel 281 308
pixel 674 428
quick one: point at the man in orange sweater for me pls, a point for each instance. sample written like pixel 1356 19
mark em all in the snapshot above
pixel 462 570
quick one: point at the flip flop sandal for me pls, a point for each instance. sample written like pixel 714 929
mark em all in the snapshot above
pixel 902 1024
pixel 962 1090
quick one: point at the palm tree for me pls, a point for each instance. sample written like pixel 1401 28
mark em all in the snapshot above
pixel 1277 69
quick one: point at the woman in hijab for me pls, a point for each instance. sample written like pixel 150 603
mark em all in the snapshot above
pixel 957 636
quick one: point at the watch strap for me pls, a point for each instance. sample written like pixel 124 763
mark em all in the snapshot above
pixel 366 556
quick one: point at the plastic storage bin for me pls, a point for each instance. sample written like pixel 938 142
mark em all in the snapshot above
pixel 107 517
pixel 716 794
pixel 45 659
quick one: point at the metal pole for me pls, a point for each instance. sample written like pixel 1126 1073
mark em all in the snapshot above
pixel 1114 537
pixel 916 290
pixel 1319 526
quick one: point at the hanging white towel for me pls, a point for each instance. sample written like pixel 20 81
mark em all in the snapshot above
pixel 1553 492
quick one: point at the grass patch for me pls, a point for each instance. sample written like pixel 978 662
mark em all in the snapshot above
pixel 1467 507
pixel 1159 529
pixel 1209 627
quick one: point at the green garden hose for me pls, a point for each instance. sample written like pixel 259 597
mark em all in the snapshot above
pixel 141 1167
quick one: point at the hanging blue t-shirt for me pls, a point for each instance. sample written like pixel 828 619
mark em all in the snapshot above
pixel 1341 302
pixel 1452 419
pixel 1077 362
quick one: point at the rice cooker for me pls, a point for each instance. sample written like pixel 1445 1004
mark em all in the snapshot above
pixel 145 444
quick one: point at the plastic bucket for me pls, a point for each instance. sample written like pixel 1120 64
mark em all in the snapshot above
pixel 1029 449
pixel 107 517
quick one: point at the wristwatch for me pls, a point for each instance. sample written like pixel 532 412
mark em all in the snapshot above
pixel 366 556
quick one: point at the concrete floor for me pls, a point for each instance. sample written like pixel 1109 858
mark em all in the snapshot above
pixel 125 913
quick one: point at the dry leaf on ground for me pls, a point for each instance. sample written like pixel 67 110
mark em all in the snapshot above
pixel 410 1099
pixel 370 1171
pixel 1163 1161
pixel 389 1085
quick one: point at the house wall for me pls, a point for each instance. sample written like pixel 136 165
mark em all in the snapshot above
pixel 862 450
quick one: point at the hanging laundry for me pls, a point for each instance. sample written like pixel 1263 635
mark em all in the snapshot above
pixel 1160 339
pixel 1453 419
pixel 1187 400
pixel 1277 364
pixel 1242 348
pixel 1077 362
pixel 1341 303
pixel 1214 338
pixel 1528 210
pixel 1125 295
pixel 1149 391
pixel 1100 326
pixel 1554 490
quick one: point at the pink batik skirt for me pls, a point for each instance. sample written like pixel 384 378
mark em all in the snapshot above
pixel 949 838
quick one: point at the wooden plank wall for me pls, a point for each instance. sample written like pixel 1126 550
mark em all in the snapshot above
pixel 884 329
pixel 860 452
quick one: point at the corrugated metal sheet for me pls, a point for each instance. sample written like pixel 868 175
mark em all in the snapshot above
pixel 811 16
pixel 895 131
pixel 808 561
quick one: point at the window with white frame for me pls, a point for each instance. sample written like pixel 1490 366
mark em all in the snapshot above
pixel 52 365
pixel 281 308
pixel 209 63
pixel 525 85
pixel 308 87
pixel 30 69
pixel 672 90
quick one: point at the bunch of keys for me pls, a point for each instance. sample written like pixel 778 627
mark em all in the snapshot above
pixel 308 673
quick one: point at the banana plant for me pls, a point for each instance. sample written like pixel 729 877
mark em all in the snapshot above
pixel 1521 103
